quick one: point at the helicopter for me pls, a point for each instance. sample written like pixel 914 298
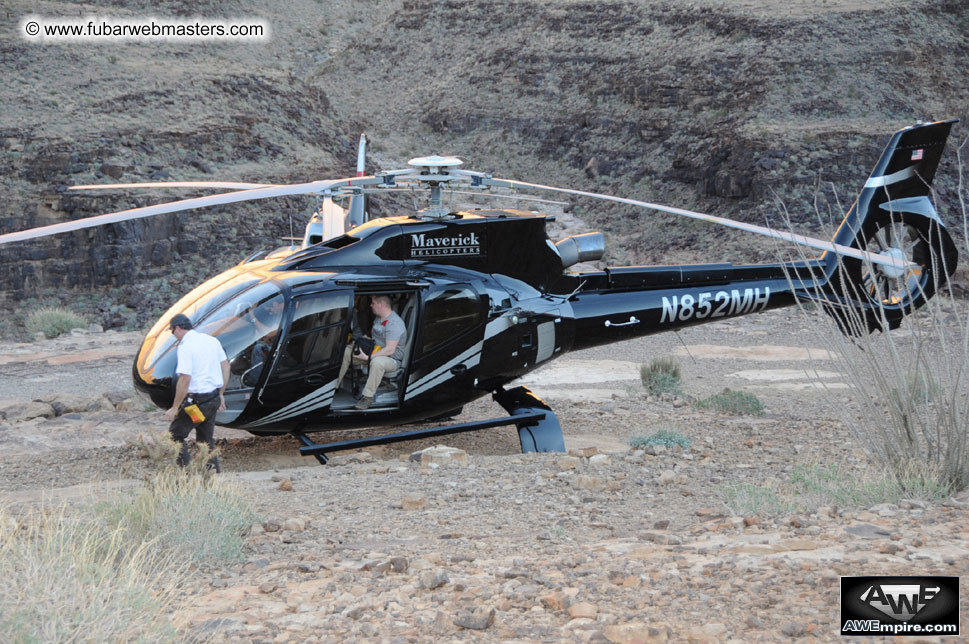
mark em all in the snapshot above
pixel 487 297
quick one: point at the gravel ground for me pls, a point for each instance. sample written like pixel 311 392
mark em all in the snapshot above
pixel 604 544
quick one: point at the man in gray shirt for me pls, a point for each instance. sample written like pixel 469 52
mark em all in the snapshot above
pixel 388 333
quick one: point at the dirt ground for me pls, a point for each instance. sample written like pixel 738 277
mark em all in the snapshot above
pixel 607 544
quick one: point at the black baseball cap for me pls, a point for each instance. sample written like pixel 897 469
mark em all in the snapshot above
pixel 180 320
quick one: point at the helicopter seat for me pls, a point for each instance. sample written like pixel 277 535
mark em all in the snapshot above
pixel 393 380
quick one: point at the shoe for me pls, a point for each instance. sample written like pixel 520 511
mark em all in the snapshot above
pixel 364 403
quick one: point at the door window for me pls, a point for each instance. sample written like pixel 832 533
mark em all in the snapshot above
pixel 316 335
pixel 448 314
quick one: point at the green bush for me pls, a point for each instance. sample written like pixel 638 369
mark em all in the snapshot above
pixel 738 403
pixel 53 321
pixel 666 437
pixel 661 376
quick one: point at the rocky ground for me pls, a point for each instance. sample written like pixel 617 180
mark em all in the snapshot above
pixel 479 543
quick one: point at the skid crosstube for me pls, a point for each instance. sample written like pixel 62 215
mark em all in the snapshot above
pixel 538 428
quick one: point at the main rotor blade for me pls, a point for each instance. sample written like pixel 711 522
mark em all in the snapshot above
pixel 227 185
pixel 501 196
pixel 176 206
pixel 802 240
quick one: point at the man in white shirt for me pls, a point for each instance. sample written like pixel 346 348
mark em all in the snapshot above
pixel 203 371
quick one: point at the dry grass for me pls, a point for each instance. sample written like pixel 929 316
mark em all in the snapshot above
pixel 71 579
pixel 814 485
pixel 114 574
pixel 192 511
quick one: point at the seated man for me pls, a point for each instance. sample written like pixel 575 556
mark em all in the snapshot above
pixel 388 334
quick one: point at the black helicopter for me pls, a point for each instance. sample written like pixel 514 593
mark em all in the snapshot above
pixel 487 297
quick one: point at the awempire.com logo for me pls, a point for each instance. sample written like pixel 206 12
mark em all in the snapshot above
pixel 899 605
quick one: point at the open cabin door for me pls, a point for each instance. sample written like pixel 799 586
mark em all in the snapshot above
pixel 302 380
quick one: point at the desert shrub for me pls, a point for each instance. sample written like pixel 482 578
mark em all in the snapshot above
pixel 668 438
pixel 814 485
pixel 661 376
pixel 53 321
pixel 745 499
pixel 835 485
pixel 911 384
pixel 192 511
pixel 730 401
pixel 70 579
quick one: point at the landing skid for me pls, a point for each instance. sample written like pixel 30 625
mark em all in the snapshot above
pixel 538 428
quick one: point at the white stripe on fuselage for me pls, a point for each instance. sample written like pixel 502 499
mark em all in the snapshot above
pixel 314 400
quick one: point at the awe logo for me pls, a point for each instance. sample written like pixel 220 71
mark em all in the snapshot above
pixel 901 601
pixel 903 605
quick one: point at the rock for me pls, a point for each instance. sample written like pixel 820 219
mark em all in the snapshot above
pixel 352 458
pixel 21 411
pixel 600 460
pixel 294 525
pixel 431 579
pixel 583 610
pixel 798 544
pixel 267 587
pixel 868 531
pixel 667 477
pixel 662 524
pixel 584 452
pixel 590 483
pixel 481 619
pixel 398 564
pixel 794 629
pixel 443 455
pixel 309 567
pixel 72 403
pixel 553 601
pixel 637 633
pixel 286 485
pixel 116 396
pixel 413 502
pixel 884 509
pixel 271 526
pixel 566 463
pixel 661 538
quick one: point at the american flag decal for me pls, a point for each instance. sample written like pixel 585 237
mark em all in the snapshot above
pixel 917 155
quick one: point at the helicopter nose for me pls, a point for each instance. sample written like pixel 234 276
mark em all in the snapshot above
pixel 153 372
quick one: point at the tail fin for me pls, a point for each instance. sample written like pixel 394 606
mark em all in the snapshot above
pixel 893 215
pixel 357 212
pixel 904 172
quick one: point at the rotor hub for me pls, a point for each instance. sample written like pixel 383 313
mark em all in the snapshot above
pixel 435 163
pixel 893 272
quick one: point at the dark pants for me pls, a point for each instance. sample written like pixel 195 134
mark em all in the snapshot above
pixel 182 426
